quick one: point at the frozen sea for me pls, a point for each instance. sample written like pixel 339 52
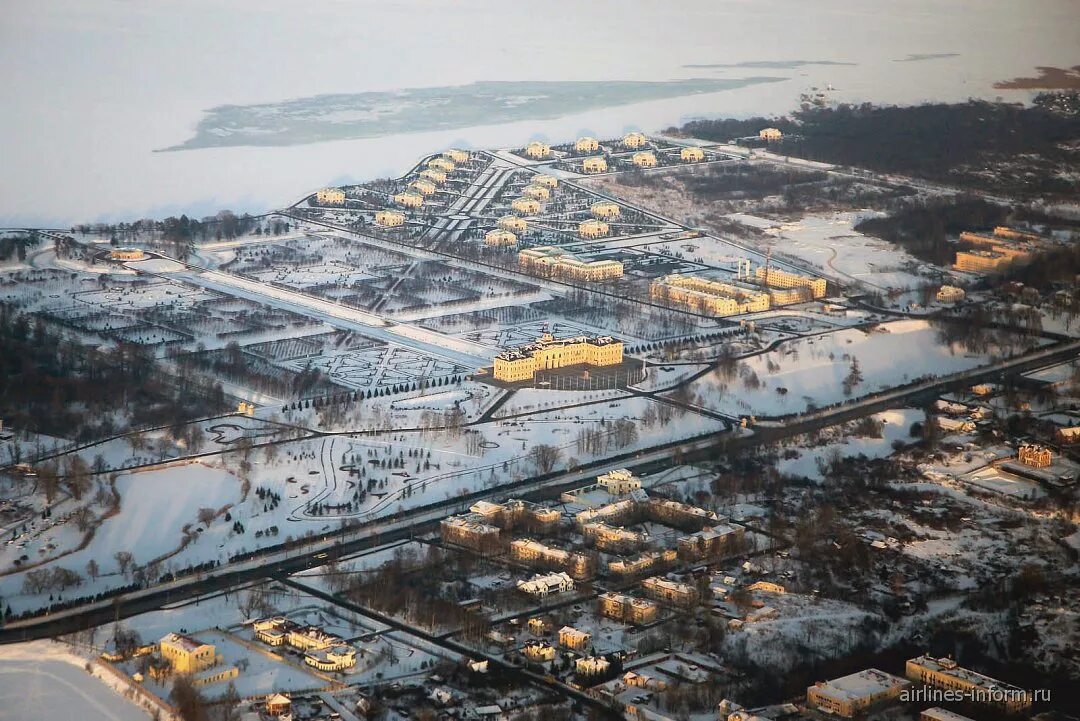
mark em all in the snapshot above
pixel 268 100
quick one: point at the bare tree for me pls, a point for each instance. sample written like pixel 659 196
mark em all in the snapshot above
pixel 545 457
pixel 123 560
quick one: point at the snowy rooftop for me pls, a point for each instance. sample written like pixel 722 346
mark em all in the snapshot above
pixel 860 685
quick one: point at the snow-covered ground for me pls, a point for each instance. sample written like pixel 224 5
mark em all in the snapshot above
pixel 46 680
pixel 895 426
pixel 813 370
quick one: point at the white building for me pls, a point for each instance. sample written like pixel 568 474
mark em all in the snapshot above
pixel 541 586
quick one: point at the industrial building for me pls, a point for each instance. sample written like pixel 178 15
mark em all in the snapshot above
pixel 522 363
pixel 551 261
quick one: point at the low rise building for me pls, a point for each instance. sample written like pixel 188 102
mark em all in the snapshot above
pixel 516 513
pixel 593 228
pixel 950 294
pixel 469 531
pixel 538 555
pixel 409 199
pixel 1035 455
pixel 541 586
pixel 709 297
pixel 605 210
pixel 273 631
pixel 522 363
pixel 851 695
pixel 311 638
pixel 126 254
pixel 536 192
pixel 619 512
pixel 711 543
pixel 678 514
pixel 538 651
pixel 644 159
pixel 525 206
pixel 554 262
pixel 454 155
pixel 945 673
pixel 423 187
pixel 186 654
pixel 618 482
pixel 499 238
pixel 674 593
pixel 537 150
pixel 589 666
pixel 814 288
pixel 634 140
pixel 546 181
pixel 770 134
pixel 627 609
pixel 513 223
pixel 335 658
pixel 435 176
pixel 594 165
pixel 573 639
pixel 389 218
pixel 767 587
pixel 441 164
pixel 330 196
pixel 613 539
pixel 981 261
pixel 643 563
pixel 539 626
pixel 278 705
pixel 691 155
pixel 586 145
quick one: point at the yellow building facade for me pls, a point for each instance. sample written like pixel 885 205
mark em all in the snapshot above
pixel 634 140
pixel 945 673
pixel 186 654
pixel 551 261
pixel 513 223
pixel 389 218
pixel 586 145
pixel 547 181
pixel 499 238
pixel 126 254
pixel 776 278
pixel 605 210
pixel 591 166
pixel 708 296
pixel 593 228
pixel 459 157
pixel 770 134
pixel 435 176
pixel 441 164
pixel 538 192
pixel 644 159
pixel 537 150
pixel 525 206
pixel 423 187
pixel 522 363
pixel 409 200
pixel 691 155
pixel 330 196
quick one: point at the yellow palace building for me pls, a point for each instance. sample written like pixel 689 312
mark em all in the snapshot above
pixel 523 362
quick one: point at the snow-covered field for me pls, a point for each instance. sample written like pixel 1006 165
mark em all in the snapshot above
pixel 812 370
pixel 45 680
